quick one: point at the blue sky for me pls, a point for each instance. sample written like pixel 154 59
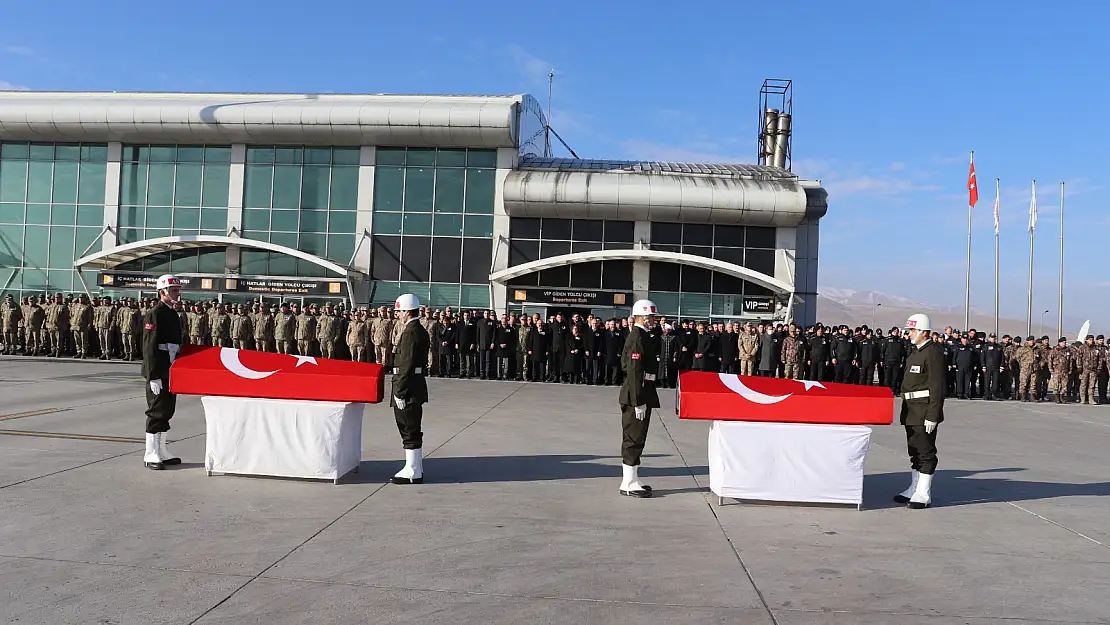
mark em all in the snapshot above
pixel 889 98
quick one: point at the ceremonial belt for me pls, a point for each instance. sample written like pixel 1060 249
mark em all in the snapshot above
pixel 916 394
pixel 166 346
pixel 417 371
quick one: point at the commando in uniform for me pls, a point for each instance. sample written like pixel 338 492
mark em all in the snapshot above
pixel 409 388
pixel 640 361
pixel 924 386
pixel 161 333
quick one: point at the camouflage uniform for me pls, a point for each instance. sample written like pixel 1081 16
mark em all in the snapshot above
pixel 198 326
pixel 1059 362
pixel 57 325
pixel 1090 362
pixel 221 328
pixel 104 321
pixel 326 328
pixel 33 319
pixel 524 363
pixel 80 322
pixel 1009 371
pixel 263 330
pixel 356 338
pixel 748 346
pixel 306 332
pixel 12 315
pixel 241 329
pixel 130 323
pixel 382 337
pixel 1026 357
pixel 429 323
pixel 284 331
pixel 793 356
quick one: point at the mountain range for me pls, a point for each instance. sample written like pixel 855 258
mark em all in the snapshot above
pixel 836 306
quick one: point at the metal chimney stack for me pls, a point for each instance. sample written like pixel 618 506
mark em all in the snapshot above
pixel 782 140
pixel 776 121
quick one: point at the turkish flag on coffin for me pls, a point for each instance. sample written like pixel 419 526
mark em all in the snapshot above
pixel 727 397
pixel 201 370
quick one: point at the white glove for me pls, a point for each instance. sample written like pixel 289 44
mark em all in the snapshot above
pixel 400 403
pixel 156 387
pixel 930 427
pixel 641 412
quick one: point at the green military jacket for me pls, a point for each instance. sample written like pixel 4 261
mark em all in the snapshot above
pixel 924 385
pixel 410 365
pixel 640 361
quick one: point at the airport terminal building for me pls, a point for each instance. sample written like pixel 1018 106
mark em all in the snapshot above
pixel 362 197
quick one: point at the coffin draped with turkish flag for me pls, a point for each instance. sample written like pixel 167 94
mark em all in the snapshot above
pixel 228 372
pixel 728 397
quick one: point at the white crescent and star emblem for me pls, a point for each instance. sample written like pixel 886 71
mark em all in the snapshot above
pixel 734 384
pixel 229 358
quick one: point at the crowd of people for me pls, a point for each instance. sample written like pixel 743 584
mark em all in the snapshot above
pixel 574 350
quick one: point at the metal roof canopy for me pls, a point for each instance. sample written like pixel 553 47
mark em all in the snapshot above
pixel 413 120
pixel 751 172
pixel 114 257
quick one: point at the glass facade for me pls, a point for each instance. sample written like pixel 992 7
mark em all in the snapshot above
pixel 303 198
pixel 51 211
pixel 173 190
pixel 695 292
pixel 433 225
pixel 533 239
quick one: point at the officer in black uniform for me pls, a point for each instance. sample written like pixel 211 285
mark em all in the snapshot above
pixel 965 366
pixel 923 390
pixel 844 355
pixel 640 361
pixel 161 343
pixel 894 353
pixel 409 388
pixel 991 353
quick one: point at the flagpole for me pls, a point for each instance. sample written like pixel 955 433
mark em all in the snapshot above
pixel 1032 229
pixel 996 259
pixel 967 286
pixel 1060 306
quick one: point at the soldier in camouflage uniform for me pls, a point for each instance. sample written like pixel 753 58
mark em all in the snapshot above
pixel 381 335
pixel 748 346
pixel 1090 362
pixel 356 337
pixel 428 322
pixel 221 326
pixel 80 324
pixel 793 354
pixel 284 330
pixel 1042 372
pixel 306 330
pixel 1007 380
pixel 242 329
pixel 264 330
pixel 12 315
pixel 102 323
pixel 57 325
pixel 198 326
pixel 1026 357
pixel 33 319
pixel 523 362
pixel 1059 360
pixel 327 328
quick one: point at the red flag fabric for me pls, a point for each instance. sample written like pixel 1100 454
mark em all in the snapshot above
pixel 972 185
pixel 728 397
pixel 223 371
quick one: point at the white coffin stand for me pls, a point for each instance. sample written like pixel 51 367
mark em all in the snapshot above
pixel 788 462
pixel 282 438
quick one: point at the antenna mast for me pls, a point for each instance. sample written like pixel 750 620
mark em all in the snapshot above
pixel 547 127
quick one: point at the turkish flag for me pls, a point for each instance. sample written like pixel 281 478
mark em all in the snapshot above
pixel 223 371
pixel 972 185
pixel 728 397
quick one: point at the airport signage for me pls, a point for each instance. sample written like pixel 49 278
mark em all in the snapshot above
pixel 759 305
pixel 238 284
pixel 571 297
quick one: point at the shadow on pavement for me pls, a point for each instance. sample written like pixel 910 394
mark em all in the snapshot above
pixel 952 487
pixel 479 469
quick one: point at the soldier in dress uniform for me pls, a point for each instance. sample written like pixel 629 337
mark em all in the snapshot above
pixel 637 396
pixel 924 386
pixel 161 331
pixel 409 388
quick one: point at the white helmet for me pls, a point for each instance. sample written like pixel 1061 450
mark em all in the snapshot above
pixel 920 321
pixel 406 302
pixel 643 308
pixel 166 281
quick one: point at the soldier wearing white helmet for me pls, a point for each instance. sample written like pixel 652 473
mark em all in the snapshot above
pixel 161 342
pixel 409 388
pixel 640 361
pixel 923 389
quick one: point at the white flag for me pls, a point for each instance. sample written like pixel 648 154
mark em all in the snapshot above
pixel 996 205
pixel 1033 209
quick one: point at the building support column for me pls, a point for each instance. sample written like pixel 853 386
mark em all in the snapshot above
pixel 364 224
pixel 110 238
pixel 236 182
pixel 641 269
pixel 506 162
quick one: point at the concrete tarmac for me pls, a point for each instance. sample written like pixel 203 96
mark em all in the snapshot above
pixel 520 520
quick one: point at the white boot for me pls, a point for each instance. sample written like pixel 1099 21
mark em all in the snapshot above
pixel 922 496
pixel 631 485
pixel 164 451
pixel 904 496
pixel 151 458
pixel 413 473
